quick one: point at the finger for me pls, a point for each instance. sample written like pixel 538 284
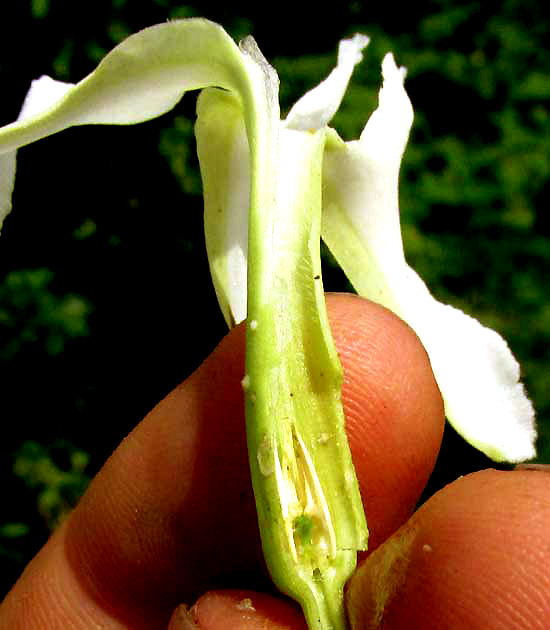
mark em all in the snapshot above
pixel 475 555
pixel 172 514
pixel 234 610
pixel 394 411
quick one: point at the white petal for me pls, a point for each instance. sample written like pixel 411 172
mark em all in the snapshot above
pixel 42 94
pixel 143 77
pixel 381 146
pixel 224 157
pixel 7 180
pixel 238 171
pixel 364 175
pixel 476 372
pixel 315 109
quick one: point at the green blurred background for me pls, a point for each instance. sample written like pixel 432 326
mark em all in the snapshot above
pixel 105 298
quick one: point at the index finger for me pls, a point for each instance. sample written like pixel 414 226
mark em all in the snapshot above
pixel 172 515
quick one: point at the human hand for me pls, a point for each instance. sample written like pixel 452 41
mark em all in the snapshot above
pixel 171 515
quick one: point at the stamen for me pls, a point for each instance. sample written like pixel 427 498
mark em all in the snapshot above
pixel 318 495
pixel 286 502
pixel 304 508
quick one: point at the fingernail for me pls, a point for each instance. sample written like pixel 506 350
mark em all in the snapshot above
pixel 182 619
pixel 378 580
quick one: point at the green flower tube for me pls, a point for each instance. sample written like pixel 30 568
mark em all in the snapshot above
pixel 309 508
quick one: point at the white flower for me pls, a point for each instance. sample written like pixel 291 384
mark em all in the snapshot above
pixel 147 75
pixel 271 189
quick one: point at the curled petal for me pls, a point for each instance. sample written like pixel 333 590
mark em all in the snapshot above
pixel 43 93
pixel 475 370
pixel 315 109
pixel 144 77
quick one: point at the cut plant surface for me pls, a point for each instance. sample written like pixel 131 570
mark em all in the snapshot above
pixel 271 189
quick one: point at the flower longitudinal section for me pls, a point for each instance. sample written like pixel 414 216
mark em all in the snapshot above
pixel 306 516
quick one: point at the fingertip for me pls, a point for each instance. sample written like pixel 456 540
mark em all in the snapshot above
pixel 394 410
pixel 182 619
pixel 237 609
pixel 474 556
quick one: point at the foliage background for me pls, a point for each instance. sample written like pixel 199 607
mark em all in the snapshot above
pixel 105 297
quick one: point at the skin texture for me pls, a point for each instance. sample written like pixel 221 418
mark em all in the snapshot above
pixel 171 519
pixel 474 556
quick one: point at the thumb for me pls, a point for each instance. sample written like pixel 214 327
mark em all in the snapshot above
pixel 475 555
